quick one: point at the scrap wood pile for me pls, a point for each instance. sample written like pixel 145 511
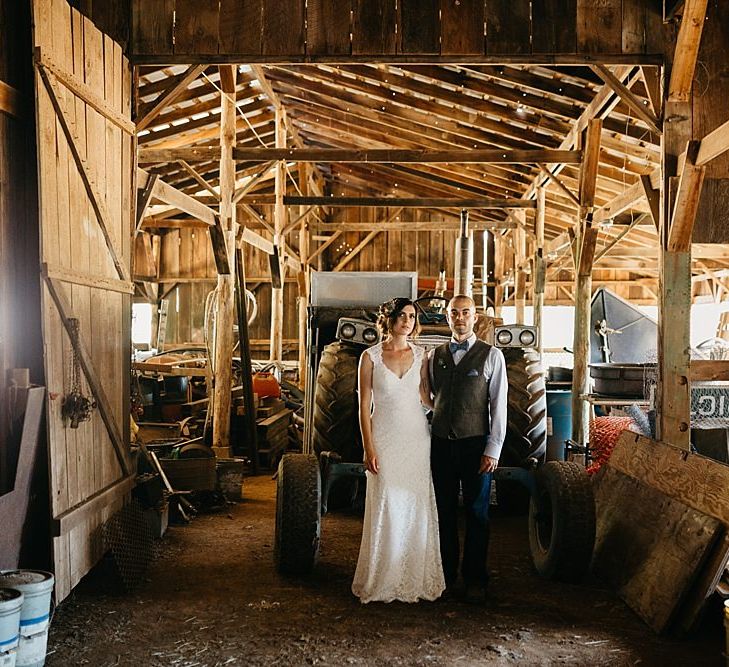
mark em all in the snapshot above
pixel 662 536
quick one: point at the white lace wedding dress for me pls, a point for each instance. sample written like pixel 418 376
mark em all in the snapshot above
pixel 399 558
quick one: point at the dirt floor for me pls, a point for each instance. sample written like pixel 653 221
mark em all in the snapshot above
pixel 212 597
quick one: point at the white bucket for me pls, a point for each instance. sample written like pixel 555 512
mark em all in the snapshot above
pixel 11 602
pixel 37 587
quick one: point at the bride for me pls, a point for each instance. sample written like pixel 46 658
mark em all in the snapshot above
pixel 399 557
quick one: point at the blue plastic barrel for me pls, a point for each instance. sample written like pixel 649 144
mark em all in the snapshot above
pixel 559 422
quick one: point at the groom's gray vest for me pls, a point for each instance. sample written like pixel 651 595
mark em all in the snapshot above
pixel 461 393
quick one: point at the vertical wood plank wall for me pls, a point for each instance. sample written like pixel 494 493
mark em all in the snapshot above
pixel 329 30
pixel 82 461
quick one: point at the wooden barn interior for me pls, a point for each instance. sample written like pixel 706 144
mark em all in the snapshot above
pixel 174 177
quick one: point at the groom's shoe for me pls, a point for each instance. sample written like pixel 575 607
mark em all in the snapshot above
pixel 475 592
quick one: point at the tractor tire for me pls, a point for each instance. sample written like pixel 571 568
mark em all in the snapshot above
pixel 562 522
pixel 298 514
pixel 335 419
pixel 526 430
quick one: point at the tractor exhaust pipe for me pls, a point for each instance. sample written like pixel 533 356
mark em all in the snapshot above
pixel 463 283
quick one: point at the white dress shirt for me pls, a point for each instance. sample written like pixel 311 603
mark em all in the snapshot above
pixel 494 370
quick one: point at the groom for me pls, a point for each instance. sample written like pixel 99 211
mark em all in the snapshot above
pixel 469 423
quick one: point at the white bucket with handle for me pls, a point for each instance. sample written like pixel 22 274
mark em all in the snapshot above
pixel 11 602
pixel 35 614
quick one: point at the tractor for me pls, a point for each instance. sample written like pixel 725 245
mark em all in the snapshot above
pixel 557 494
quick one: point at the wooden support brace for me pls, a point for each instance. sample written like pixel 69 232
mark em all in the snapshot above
pixel 653 196
pixel 199 179
pixel 652 82
pixel 588 171
pixel 687 50
pixel 628 97
pixel 55 289
pixel 713 144
pixel 144 197
pixel 687 202
pixel 558 182
pixel 98 202
pixel 167 97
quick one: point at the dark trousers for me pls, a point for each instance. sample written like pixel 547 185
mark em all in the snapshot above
pixel 455 465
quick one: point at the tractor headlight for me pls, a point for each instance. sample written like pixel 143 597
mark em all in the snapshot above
pixel 503 337
pixel 527 338
pixel 347 330
pixel 369 335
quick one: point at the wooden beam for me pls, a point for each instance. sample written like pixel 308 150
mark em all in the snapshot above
pixel 55 289
pixel 72 517
pixel 404 202
pixel 713 144
pixel 90 280
pixel 652 81
pixel 11 101
pixel 314 255
pixel 628 97
pixel 365 242
pixel 687 50
pixel 250 237
pixel 653 196
pixel 588 170
pixel 167 97
pixel 97 200
pixel 85 92
pixel 408 226
pixel 279 242
pixel 403 156
pixel 144 197
pixel 169 194
pixel 222 236
pixel 687 202
pixel 199 179
pixel 558 182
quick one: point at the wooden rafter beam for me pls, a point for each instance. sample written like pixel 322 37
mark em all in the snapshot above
pixel 713 145
pixel 405 202
pixel 168 96
pixel 373 155
pixel 687 50
pixel 559 183
pixel 628 97
pixel 199 179
pixel 405 226
pixel 687 202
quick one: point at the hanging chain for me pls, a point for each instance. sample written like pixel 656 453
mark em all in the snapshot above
pixel 76 407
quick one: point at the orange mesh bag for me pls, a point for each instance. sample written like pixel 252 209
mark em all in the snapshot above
pixel 604 434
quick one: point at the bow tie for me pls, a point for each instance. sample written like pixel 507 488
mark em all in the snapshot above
pixel 463 345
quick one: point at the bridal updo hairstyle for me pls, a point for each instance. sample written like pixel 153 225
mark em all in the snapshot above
pixel 389 312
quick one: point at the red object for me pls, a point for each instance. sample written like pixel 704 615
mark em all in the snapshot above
pixel 604 434
pixel 265 384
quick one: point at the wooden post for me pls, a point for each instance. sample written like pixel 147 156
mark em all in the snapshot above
pixel 225 307
pixel 498 273
pixel 303 281
pixel 279 222
pixel 673 396
pixel 586 239
pixel 540 271
pixel 519 273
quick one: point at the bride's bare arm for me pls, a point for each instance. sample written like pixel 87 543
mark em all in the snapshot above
pixel 365 412
pixel 425 396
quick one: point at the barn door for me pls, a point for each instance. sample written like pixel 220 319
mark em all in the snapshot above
pixel 85 168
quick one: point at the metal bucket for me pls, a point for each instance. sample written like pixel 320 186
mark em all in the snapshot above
pixel 37 588
pixel 559 422
pixel 11 602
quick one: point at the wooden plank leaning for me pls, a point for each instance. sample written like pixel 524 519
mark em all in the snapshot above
pixel 87 365
pixel 92 189
pixel 695 480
